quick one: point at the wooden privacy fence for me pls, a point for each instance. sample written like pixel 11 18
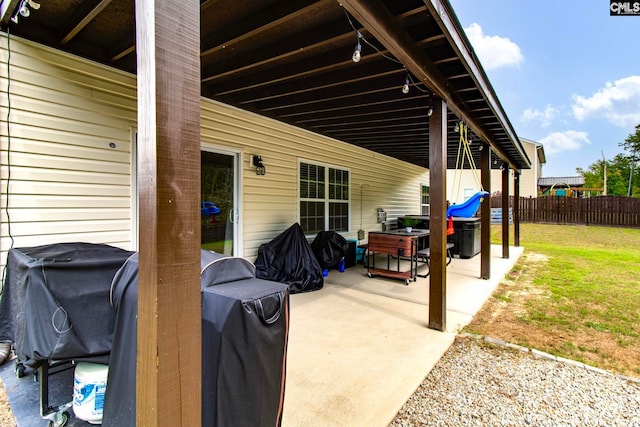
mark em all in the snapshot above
pixel 600 210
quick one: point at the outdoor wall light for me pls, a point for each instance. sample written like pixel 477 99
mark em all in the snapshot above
pixel 260 169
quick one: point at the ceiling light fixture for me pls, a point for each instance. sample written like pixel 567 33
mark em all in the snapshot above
pixel 356 53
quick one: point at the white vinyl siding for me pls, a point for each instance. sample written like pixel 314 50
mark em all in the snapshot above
pixel 69 136
pixel 270 202
pixel 68 184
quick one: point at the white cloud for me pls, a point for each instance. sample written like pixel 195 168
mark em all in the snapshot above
pixel 618 102
pixel 544 117
pixel 493 51
pixel 570 140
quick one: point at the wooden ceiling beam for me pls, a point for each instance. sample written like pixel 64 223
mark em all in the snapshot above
pixel 388 129
pixel 300 102
pixel 289 73
pixel 209 74
pixel 346 81
pixel 128 46
pixel 270 22
pixel 364 114
pixel 374 16
pixel 405 120
pixel 415 103
pixel 85 13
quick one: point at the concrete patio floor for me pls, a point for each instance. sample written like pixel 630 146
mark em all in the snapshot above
pixel 359 347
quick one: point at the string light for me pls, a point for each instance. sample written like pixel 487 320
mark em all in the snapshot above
pixel 405 88
pixel 408 82
pixel 24 9
pixel 359 47
pixel 356 53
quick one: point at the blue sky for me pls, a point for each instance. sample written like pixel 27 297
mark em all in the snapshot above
pixel 566 73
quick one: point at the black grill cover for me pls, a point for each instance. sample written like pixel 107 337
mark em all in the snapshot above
pixel 120 395
pixel 289 259
pixel 329 248
pixel 244 331
pixel 244 339
pixel 55 301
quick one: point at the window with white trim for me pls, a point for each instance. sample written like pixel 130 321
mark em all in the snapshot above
pixel 324 198
pixel 425 200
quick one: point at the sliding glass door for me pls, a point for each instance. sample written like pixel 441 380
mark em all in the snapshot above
pixel 219 199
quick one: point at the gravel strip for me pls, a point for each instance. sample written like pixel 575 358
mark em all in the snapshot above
pixel 479 384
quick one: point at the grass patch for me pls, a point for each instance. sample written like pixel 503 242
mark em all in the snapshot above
pixel 501 296
pixel 574 293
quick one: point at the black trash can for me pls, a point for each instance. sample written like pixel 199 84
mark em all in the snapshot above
pixel 469 239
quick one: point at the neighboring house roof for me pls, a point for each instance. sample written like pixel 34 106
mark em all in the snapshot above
pixel 539 149
pixel 292 61
pixel 571 181
pixel 541 156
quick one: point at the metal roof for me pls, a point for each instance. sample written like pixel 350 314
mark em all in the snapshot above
pixel 292 61
pixel 571 181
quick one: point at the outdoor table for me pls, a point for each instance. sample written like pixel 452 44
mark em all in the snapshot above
pixel 399 244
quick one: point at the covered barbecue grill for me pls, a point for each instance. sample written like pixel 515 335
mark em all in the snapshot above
pixel 245 324
pixel 55 307
pixel 55 301
pixel 289 258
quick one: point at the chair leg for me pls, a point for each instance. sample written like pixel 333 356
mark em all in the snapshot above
pixel 426 261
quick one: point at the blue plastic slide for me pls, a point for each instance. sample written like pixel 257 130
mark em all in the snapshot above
pixel 469 207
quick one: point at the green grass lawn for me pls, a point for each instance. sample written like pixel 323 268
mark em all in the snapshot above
pixel 575 293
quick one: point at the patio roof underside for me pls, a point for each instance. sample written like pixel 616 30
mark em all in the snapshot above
pixel 292 61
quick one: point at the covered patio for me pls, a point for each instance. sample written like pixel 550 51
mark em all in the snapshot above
pixel 291 61
pixel 358 348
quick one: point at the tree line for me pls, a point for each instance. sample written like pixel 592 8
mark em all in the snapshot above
pixel 622 172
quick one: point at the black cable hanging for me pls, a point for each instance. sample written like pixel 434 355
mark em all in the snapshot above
pixel 8 181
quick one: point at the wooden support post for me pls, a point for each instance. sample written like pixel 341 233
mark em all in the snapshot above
pixel 485 213
pixel 168 390
pixel 505 210
pixel 516 208
pixel 437 220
